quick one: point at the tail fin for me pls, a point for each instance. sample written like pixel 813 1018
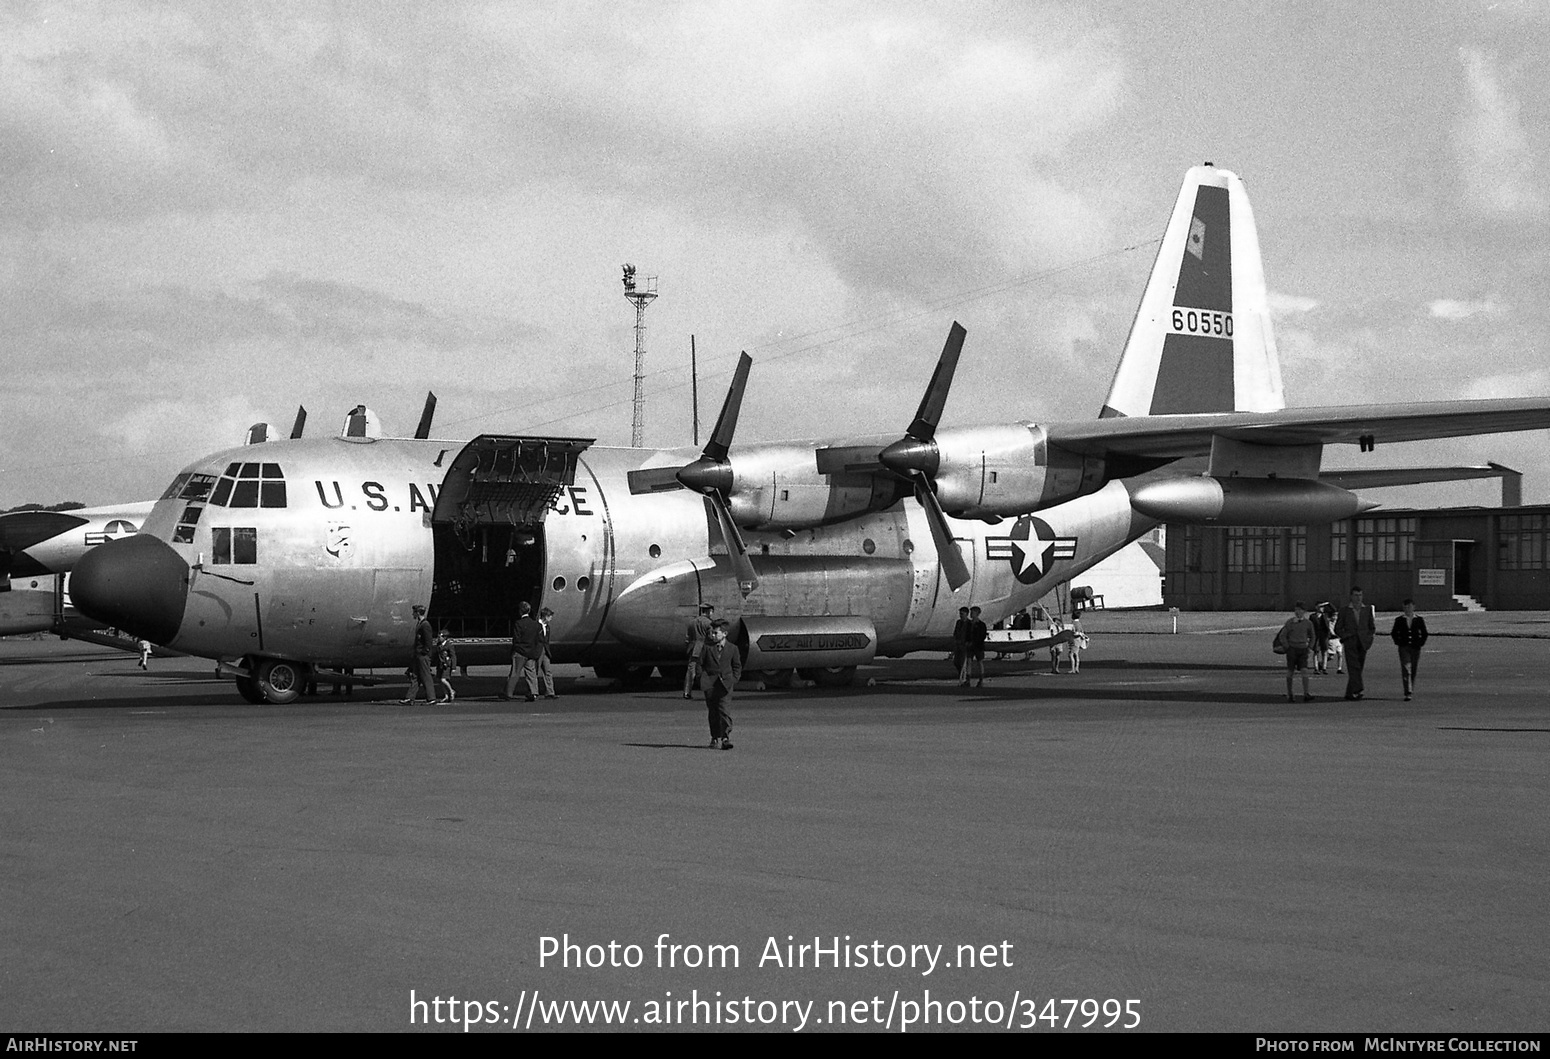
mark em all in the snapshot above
pixel 1202 340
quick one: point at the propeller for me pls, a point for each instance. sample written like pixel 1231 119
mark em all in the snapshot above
pixel 915 457
pixel 711 477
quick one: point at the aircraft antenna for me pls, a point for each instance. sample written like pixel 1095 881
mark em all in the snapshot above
pixel 694 379
pixel 640 296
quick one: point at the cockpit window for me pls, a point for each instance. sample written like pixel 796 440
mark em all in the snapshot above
pixel 250 485
pixel 176 487
pixel 198 487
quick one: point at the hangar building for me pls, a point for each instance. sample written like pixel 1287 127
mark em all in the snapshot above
pixel 1454 558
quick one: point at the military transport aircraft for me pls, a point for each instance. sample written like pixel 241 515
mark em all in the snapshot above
pixel 37 548
pixel 306 557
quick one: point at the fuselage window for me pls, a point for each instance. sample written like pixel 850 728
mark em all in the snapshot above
pixel 234 545
pixel 583 583
pixel 184 533
pixel 559 583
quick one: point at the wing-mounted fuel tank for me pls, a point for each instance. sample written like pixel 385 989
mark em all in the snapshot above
pixel 834 600
pixel 1238 501
pixel 996 471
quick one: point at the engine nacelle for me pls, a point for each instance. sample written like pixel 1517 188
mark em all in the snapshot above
pixel 1008 470
pixel 1247 501
pixel 778 487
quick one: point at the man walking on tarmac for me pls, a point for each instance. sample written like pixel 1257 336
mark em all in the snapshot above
pixel 526 647
pixel 721 667
pixel 1355 629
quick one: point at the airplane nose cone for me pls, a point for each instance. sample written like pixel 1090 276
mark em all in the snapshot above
pixel 138 584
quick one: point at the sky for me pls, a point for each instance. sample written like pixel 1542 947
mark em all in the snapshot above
pixel 212 213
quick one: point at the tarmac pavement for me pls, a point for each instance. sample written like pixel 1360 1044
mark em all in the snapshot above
pixel 1161 837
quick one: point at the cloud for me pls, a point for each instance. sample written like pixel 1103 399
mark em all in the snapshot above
pixel 1508 385
pixel 1283 306
pixel 1450 309
pixel 906 144
pixel 1496 161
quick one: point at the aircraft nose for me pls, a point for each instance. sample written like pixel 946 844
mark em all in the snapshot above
pixel 138 584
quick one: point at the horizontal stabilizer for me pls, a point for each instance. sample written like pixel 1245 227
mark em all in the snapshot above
pixel 1379 477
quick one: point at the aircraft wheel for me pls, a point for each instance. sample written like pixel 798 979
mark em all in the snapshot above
pixel 247 687
pixel 281 681
pixel 609 672
pixel 831 676
pixel 674 675
pixel 774 678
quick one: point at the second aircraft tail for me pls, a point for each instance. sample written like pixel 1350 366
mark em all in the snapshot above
pixel 1202 339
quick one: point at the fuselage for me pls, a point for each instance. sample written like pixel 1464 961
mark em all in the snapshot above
pixel 314 550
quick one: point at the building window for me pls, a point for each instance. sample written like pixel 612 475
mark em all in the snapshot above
pixel 1253 549
pixel 1340 542
pixel 1297 546
pixel 1194 550
pixel 234 545
pixel 1385 540
pixel 1520 542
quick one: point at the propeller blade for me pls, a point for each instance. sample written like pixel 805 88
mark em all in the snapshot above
pixel 653 480
pixel 737 551
pixel 947 550
pixel 930 412
pixel 720 442
pixel 847 459
pixel 423 431
pixel 301 422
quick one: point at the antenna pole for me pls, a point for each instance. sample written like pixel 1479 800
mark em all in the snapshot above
pixel 640 297
pixel 694 388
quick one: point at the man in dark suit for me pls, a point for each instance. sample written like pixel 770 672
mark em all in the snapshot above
pixel 694 646
pixel 423 677
pixel 961 646
pixel 544 663
pixel 1355 629
pixel 1409 634
pixel 974 649
pixel 527 644
pixel 721 667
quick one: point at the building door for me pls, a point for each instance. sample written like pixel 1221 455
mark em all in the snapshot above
pixel 1463 552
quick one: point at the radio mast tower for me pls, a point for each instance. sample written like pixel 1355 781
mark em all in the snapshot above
pixel 641 297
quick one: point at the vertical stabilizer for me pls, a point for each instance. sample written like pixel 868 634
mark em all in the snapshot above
pixel 1202 340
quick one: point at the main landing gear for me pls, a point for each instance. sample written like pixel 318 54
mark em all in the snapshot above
pixel 275 682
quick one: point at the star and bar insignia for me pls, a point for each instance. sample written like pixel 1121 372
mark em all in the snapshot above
pixel 1032 547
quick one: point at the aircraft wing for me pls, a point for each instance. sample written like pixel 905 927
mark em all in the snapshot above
pixel 1177 436
pixel 1379 477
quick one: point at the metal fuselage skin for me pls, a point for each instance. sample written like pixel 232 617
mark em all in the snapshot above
pixel 329 578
